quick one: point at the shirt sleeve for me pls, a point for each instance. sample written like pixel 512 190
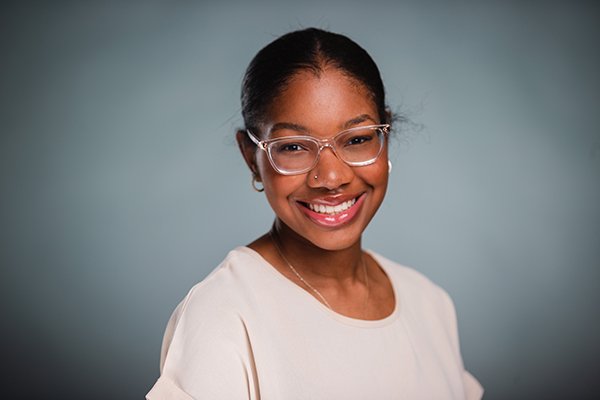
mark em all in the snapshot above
pixel 472 388
pixel 165 388
pixel 206 354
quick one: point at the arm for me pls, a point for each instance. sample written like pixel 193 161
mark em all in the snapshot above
pixel 206 354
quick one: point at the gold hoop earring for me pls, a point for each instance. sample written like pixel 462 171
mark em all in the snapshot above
pixel 254 181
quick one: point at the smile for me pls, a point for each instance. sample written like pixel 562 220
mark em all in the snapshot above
pixel 331 210
pixel 331 216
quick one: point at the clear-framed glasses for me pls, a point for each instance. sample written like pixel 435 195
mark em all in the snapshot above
pixel 292 155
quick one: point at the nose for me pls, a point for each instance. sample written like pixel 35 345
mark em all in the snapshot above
pixel 330 172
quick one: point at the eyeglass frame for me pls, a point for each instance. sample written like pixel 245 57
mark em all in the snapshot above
pixel 322 143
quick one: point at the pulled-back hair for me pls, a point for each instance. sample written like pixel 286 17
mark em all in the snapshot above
pixel 310 49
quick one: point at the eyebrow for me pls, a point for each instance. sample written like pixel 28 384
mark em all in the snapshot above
pixel 358 120
pixel 288 125
pixel 299 128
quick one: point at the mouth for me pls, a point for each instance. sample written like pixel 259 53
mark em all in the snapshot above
pixel 328 215
pixel 331 210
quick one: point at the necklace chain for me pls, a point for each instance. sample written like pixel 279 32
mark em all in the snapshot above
pixel 311 287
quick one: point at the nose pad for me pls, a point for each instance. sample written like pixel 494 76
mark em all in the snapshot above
pixel 330 171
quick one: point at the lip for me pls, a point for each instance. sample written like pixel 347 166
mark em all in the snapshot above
pixel 332 221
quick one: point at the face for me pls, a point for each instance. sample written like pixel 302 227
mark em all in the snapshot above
pixel 321 106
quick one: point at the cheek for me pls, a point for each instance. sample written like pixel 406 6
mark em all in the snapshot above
pixel 383 168
pixel 278 191
pixel 278 188
pixel 377 174
pixel 377 178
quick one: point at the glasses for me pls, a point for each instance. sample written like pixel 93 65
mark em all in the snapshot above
pixel 292 155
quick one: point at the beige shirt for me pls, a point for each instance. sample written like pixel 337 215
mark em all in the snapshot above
pixel 247 332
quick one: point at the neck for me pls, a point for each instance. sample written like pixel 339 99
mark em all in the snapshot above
pixel 311 260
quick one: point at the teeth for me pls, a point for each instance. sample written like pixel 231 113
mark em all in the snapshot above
pixel 331 210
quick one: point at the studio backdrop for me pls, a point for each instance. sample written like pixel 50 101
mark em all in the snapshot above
pixel 122 185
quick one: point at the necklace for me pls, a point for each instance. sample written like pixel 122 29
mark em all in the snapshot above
pixel 311 287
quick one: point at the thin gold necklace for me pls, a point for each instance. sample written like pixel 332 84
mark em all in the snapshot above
pixel 311 287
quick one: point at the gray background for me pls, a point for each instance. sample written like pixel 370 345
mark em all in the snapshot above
pixel 122 187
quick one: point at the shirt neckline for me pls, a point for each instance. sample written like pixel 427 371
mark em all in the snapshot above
pixel 363 323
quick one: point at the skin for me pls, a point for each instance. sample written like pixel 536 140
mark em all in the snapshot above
pixel 330 258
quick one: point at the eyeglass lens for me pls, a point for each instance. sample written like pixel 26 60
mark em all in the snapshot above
pixel 353 147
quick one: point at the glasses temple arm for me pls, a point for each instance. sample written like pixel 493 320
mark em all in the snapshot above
pixel 255 140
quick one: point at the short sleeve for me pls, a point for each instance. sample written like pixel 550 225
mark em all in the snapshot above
pixel 165 388
pixel 206 354
pixel 473 389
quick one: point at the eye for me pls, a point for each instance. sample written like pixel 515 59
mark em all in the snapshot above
pixel 289 147
pixel 358 140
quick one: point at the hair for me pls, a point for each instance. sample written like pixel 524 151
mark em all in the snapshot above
pixel 313 50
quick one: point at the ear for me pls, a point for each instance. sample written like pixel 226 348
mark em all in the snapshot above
pixel 248 150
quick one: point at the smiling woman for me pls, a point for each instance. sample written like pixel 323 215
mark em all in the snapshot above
pixel 303 311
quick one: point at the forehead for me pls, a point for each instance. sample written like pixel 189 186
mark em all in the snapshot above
pixel 321 103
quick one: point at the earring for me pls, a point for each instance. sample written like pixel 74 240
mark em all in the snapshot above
pixel 389 166
pixel 254 186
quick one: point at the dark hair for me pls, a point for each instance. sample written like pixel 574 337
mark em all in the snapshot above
pixel 309 49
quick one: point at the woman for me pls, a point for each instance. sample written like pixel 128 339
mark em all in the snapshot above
pixel 304 312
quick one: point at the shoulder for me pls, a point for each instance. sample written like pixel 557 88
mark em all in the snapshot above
pixel 205 350
pixel 407 278
pixel 415 291
pixel 226 287
pixel 216 307
pixel 427 308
